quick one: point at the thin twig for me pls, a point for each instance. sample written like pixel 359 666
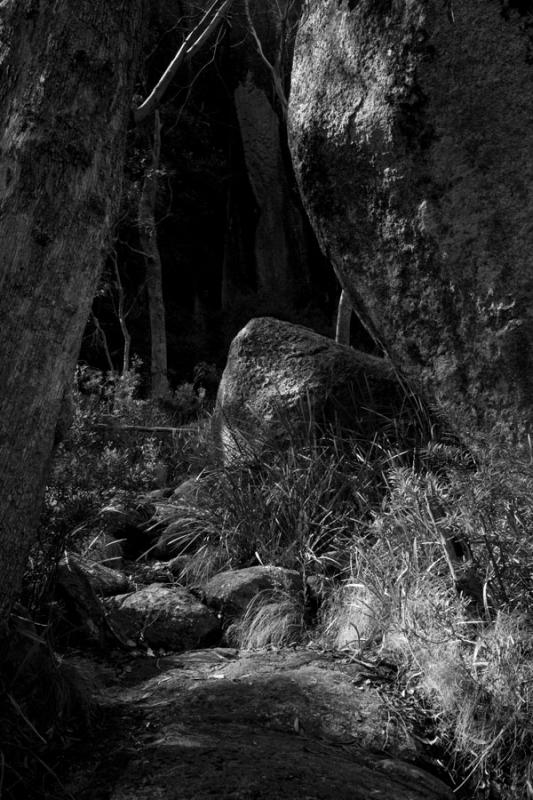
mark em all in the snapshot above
pixel 121 313
pixel 25 718
pixel 276 80
pixel 443 542
pixel 103 337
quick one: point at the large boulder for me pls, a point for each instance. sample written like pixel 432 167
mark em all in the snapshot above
pixel 80 586
pixel 162 616
pixel 280 377
pixel 75 572
pixel 230 592
pixel 410 128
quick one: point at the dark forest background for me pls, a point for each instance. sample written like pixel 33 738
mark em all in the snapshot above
pixel 207 214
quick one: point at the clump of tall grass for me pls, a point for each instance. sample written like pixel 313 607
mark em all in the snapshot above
pixel 448 559
pixel 272 618
pixel 430 549
pixel 300 508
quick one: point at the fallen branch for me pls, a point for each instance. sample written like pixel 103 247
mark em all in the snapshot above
pixel 111 426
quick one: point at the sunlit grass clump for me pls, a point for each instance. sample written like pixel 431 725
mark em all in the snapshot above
pixel 447 563
pixel 272 619
pixel 299 508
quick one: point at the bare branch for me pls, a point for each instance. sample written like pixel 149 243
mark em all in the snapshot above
pixel 122 319
pixel 192 43
pixel 103 339
pixel 276 80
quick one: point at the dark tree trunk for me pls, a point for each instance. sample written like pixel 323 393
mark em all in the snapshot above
pixel 344 318
pixel 259 63
pixel 67 72
pixel 154 270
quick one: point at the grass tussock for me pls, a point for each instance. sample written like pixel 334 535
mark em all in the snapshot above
pixel 300 509
pixel 448 560
pixel 423 555
pixel 272 619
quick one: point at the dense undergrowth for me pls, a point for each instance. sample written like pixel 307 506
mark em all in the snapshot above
pixel 418 556
pixel 107 461
pixel 113 453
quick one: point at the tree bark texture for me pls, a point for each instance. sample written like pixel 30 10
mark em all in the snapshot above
pixel 66 84
pixel 154 270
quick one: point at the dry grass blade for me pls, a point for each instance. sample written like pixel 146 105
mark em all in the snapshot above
pixel 23 716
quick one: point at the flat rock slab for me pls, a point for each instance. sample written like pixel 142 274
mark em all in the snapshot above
pixel 231 591
pixel 215 724
pixel 163 616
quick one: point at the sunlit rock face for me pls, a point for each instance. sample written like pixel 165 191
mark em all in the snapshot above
pixel 411 127
pixel 283 382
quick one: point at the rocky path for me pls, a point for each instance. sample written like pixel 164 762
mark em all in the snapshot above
pixel 216 723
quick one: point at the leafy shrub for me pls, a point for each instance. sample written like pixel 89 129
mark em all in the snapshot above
pixel 106 461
